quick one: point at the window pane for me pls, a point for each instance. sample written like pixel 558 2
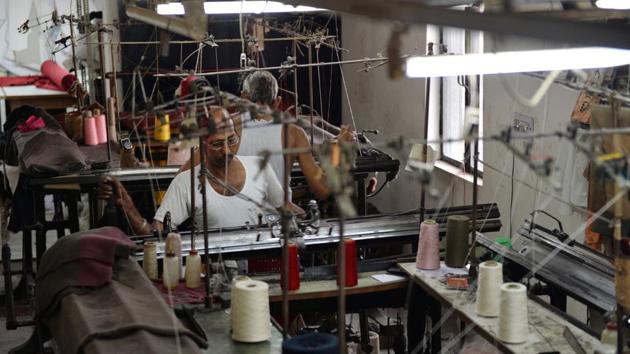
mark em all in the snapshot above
pixel 454 98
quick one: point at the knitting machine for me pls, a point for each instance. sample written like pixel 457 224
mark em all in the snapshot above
pixel 566 268
pixel 313 233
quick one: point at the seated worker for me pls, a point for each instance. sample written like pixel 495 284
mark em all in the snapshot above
pixel 259 135
pixel 234 193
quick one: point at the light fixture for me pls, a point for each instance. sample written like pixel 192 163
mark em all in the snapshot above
pixel 235 7
pixel 515 62
pixel 613 4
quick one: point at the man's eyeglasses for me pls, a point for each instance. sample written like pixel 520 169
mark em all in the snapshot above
pixel 219 144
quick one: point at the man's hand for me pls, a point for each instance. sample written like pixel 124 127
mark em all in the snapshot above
pixel 109 187
pixel 347 134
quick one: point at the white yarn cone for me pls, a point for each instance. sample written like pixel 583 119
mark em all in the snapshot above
pixel 149 260
pixel 513 325
pixel 489 288
pixel 251 321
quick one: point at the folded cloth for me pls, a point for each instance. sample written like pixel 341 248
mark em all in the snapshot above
pixel 32 123
pixel 126 316
pixel 39 81
pixel 84 260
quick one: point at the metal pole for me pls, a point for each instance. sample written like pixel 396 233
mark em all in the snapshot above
pixel 341 297
pixel 225 40
pixel 74 56
pixel 102 65
pixel 295 79
pixel 285 232
pixel 473 259
pixel 310 89
pixel 204 206
pixel 427 97
pixel 192 199
pixel 279 67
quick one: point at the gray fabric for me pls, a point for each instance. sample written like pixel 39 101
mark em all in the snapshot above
pixel 127 316
pixel 48 152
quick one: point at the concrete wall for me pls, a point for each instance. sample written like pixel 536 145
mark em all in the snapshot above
pixel 396 108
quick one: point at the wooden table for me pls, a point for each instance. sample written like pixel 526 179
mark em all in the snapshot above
pixel 545 327
pixel 321 289
pixel 217 327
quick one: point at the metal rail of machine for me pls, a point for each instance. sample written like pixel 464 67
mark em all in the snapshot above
pixel 572 268
pixel 365 230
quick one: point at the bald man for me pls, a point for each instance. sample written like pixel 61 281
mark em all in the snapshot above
pixel 236 176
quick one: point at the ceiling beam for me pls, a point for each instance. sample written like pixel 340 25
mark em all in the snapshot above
pixel 518 24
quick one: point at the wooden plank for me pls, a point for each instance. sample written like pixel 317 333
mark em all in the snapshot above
pixel 217 326
pixel 322 289
pixel 545 327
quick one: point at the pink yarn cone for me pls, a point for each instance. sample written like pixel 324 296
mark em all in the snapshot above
pixel 90 137
pixel 428 256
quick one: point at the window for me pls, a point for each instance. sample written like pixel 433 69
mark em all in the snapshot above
pixel 451 96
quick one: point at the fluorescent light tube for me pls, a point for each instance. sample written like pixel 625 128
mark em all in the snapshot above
pixel 516 62
pixel 235 7
pixel 613 4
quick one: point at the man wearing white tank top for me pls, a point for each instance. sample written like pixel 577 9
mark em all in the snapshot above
pixel 259 135
pixel 236 192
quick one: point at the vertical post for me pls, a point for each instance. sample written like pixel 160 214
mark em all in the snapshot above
pixel 285 215
pixel 102 66
pixel 341 298
pixel 204 206
pixel 193 225
pixel 473 259
pixel 74 56
pixel 427 98
pixel 310 90
pixel 295 79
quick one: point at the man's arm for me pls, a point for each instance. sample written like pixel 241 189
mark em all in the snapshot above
pixel 110 187
pixel 313 173
pixel 275 193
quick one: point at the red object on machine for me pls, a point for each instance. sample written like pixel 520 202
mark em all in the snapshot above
pixel 58 74
pixel 186 85
pixel 294 268
pixel 352 277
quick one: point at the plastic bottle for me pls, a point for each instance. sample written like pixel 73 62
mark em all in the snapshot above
pixel 170 276
pixel 174 245
pixel 193 270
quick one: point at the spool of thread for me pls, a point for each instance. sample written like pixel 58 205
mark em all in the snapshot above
pixel 162 130
pixel 312 343
pixel 294 268
pixel 149 262
pixel 428 256
pixel 90 136
pixel 101 126
pixel 193 270
pixel 170 276
pixel 352 277
pixel 457 229
pixel 489 288
pixel 513 325
pixel 251 321
pixel 173 244
pixel 235 294
pixel 374 342
pixel 58 74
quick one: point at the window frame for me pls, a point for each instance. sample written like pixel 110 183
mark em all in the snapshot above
pixel 467 160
